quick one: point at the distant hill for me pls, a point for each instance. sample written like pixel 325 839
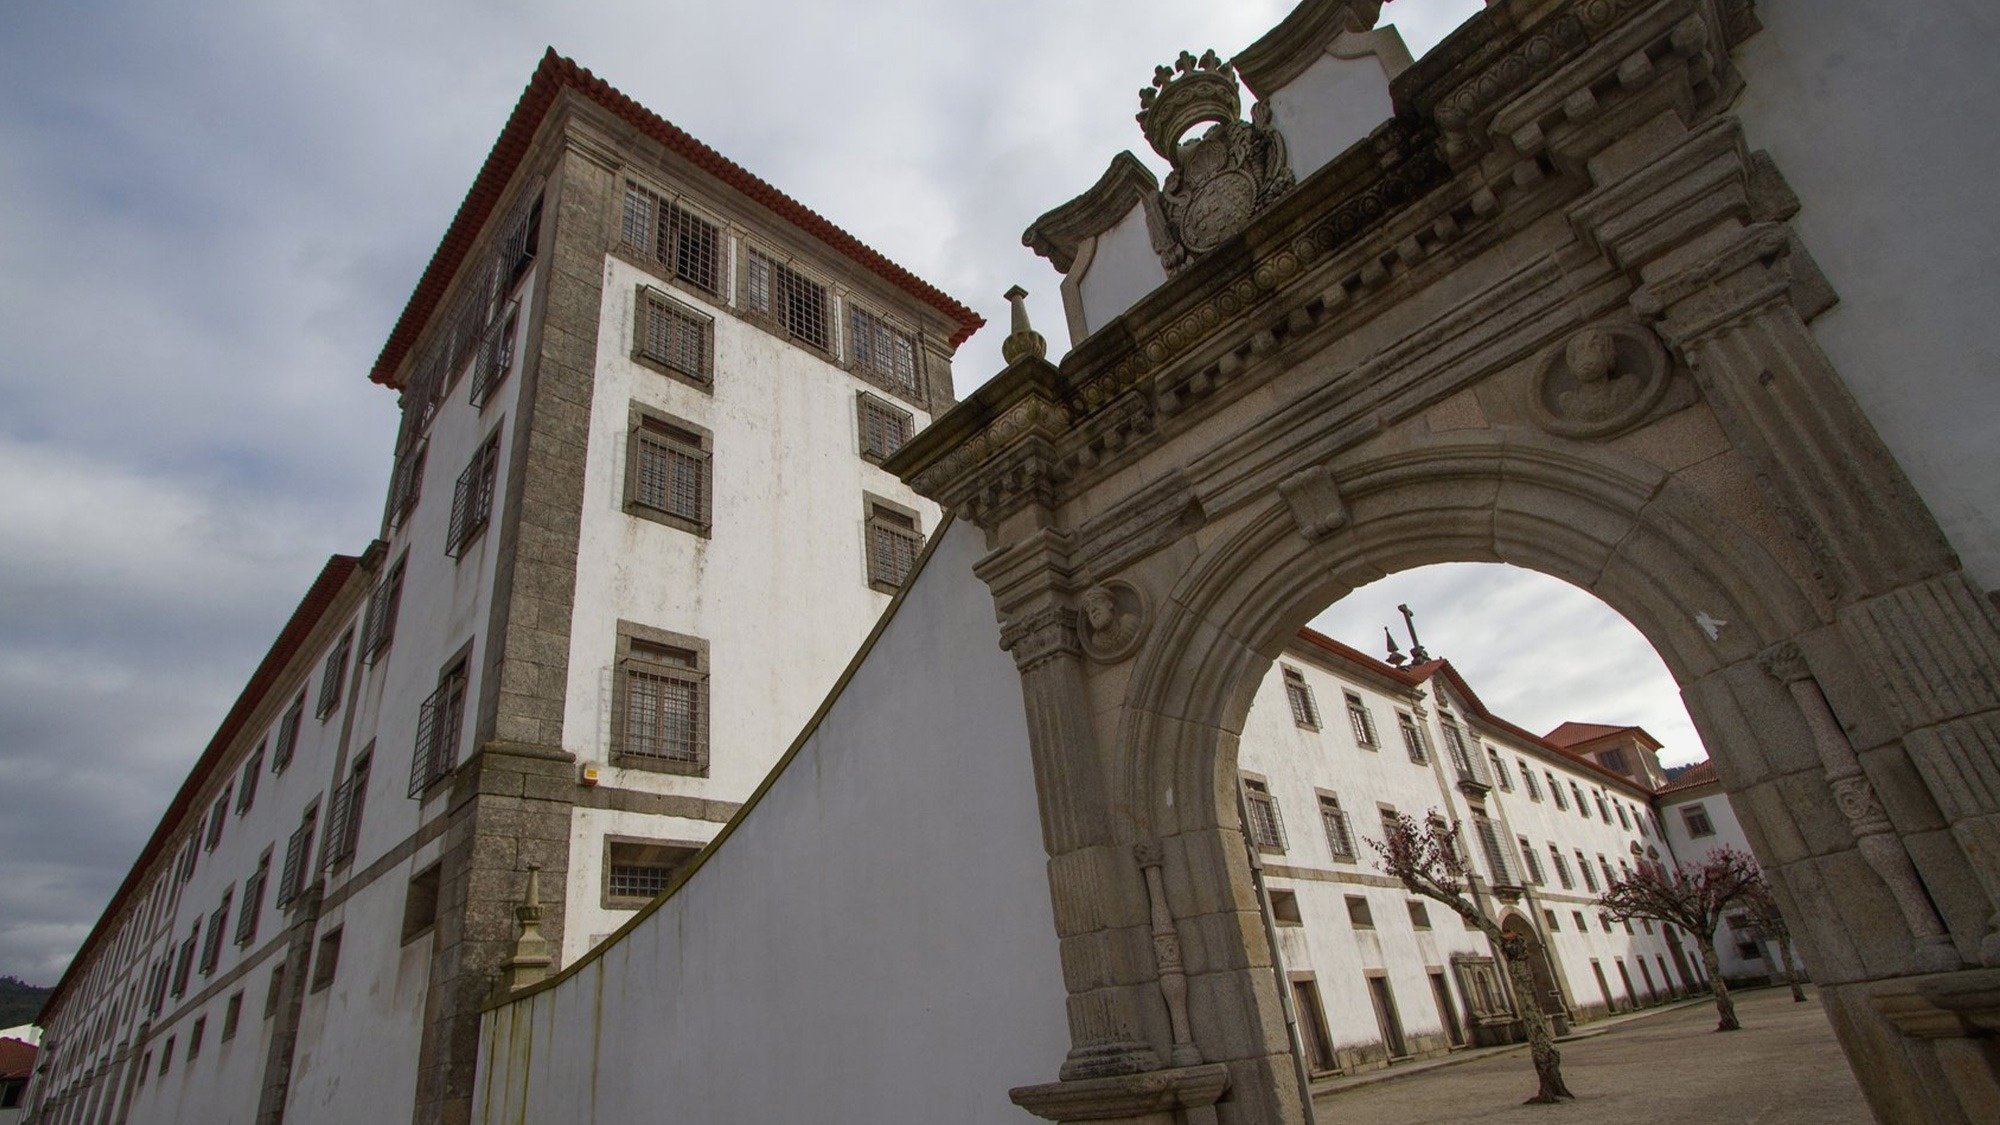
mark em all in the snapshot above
pixel 20 1001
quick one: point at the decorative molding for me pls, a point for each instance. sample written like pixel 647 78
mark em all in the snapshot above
pixel 1313 497
pixel 1137 1096
pixel 1161 513
pixel 1167 954
pixel 1041 635
pixel 1313 30
pixel 1060 232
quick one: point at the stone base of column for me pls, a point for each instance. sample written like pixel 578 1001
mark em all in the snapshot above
pixel 1959 1014
pixel 1156 1097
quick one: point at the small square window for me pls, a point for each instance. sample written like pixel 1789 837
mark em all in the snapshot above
pixel 1420 915
pixel 637 871
pixel 326 961
pixel 894 541
pixel 884 428
pixel 1285 909
pixel 1695 816
pixel 674 339
pixel 420 903
pixel 1358 914
pixel 795 303
pixel 668 472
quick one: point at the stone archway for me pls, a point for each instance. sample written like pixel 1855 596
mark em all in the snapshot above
pixel 1547 995
pixel 1584 351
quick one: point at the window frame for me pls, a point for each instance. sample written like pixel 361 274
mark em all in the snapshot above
pixel 333 676
pixel 672 436
pixel 1414 742
pixel 903 420
pixel 1299 697
pixel 1268 835
pixel 898 522
pixel 612 901
pixel 1360 721
pixel 782 271
pixel 1341 846
pixel 435 754
pixel 646 253
pixel 629 660
pixel 1690 813
pixel 385 603
pixel 857 314
pixel 473 497
pixel 650 303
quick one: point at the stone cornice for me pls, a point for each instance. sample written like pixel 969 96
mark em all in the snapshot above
pixel 1059 232
pixel 1284 52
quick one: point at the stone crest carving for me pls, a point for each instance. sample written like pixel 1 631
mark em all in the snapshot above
pixel 1113 620
pixel 1601 380
pixel 1220 179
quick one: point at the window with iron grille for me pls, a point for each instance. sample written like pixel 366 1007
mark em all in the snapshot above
pixel 894 542
pixel 440 722
pixel 1266 826
pixel 184 964
pixel 298 855
pixel 253 900
pixel 496 357
pixel 1495 852
pixel 636 871
pixel 343 830
pixel 662 709
pixel 884 428
pixel 674 337
pixel 246 784
pixel 157 1003
pixel 1305 711
pixel 1528 781
pixel 664 232
pixel 1556 791
pixel 406 481
pixel 332 674
pixel 211 947
pixel 1533 861
pixel 216 816
pixel 1360 720
pixel 1413 738
pixel 1500 775
pixel 881 352
pixel 472 500
pixel 668 473
pixel 1339 833
pixel 288 733
pixel 517 250
pixel 1562 868
pixel 796 303
pixel 380 625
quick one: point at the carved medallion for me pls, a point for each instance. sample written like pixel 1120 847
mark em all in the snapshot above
pixel 1220 179
pixel 1600 381
pixel 1113 620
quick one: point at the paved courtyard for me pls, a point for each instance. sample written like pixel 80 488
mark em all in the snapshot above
pixel 1783 1067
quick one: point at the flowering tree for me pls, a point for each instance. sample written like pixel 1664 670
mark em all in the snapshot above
pixel 1430 862
pixel 1692 898
pixel 1761 905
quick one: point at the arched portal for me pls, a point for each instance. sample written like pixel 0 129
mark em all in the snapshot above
pixel 1547 995
pixel 1586 352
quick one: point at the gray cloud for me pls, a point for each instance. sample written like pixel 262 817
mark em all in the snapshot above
pixel 215 215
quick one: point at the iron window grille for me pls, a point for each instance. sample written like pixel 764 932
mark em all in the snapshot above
pixel 1305 711
pixel 1610 876
pixel 1562 868
pixel 665 715
pixel 246 787
pixel 1461 759
pixel 880 351
pixel 211 946
pixel 439 723
pixel 894 541
pixel 344 824
pixel 796 303
pixel 1624 821
pixel 1359 719
pixel 638 871
pixel 1339 833
pixel 288 734
pixel 1603 810
pixel 1528 781
pixel 663 232
pixel 464 322
pixel 472 500
pixel 675 337
pixel 496 357
pixel 1413 738
pixel 1266 825
pixel 670 473
pixel 332 675
pixel 298 853
pixel 253 901
pixel 406 481
pixel 380 625
pixel 883 428
pixel 1533 862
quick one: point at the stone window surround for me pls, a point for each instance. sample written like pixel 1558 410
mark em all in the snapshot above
pixel 1257 788
pixel 805 268
pixel 414 896
pixel 636 417
pixel 726 233
pixel 865 401
pixel 1299 697
pixel 870 503
pixel 609 901
pixel 629 631
pixel 1318 1030
pixel 642 293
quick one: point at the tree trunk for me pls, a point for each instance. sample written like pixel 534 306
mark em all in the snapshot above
pixel 1791 971
pixel 1541 1040
pixel 1725 1008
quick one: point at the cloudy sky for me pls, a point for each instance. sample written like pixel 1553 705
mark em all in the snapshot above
pixel 216 211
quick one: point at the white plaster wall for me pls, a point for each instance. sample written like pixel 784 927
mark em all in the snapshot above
pixel 1329 106
pixel 1881 119
pixel 1691 849
pixel 1122 268
pixel 873 942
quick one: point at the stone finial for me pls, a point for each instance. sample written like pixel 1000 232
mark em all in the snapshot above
pixel 1023 340
pixel 531 959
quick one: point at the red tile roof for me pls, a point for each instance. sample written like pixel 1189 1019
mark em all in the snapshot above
pixel 17 1059
pixel 1576 734
pixel 556 74
pixel 1701 773
pixel 319 598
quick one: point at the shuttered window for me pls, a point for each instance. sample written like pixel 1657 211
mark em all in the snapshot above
pixel 288 734
pixel 1266 826
pixel 253 901
pixel 1339 833
pixel 298 856
pixel 1305 711
pixel 1362 722
pixel 1413 738
pixel 380 625
pixel 332 675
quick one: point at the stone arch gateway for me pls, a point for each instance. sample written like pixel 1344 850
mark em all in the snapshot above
pixel 1554 312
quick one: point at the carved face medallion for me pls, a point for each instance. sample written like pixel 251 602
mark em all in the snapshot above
pixel 1598 382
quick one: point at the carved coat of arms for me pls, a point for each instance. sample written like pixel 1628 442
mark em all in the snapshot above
pixel 1220 179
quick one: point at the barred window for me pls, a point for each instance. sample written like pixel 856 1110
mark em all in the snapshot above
pixel 1603 810
pixel 1624 821
pixel 440 721
pixel 637 871
pixel 406 481
pixel 472 500
pixel 1413 738
pixel 344 826
pixel 880 351
pixel 1339 833
pixel 1528 781
pixel 1533 861
pixel 1305 712
pixel 1610 876
pixel 253 900
pixel 798 304
pixel 332 674
pixel 674 336
pixel 380 625
pixel 686 244
pixel 668 474
pixel 1266 826
pixel 1359 719
pixel 894 541
pixel 246 783
pixel 1582 809
pixel 1461 759
pixel 884 428
pixel 288 734
pixel 298 853
pixel 496 357
pixel 664 710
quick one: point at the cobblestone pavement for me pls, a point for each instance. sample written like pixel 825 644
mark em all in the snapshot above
pixel 1782 1068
